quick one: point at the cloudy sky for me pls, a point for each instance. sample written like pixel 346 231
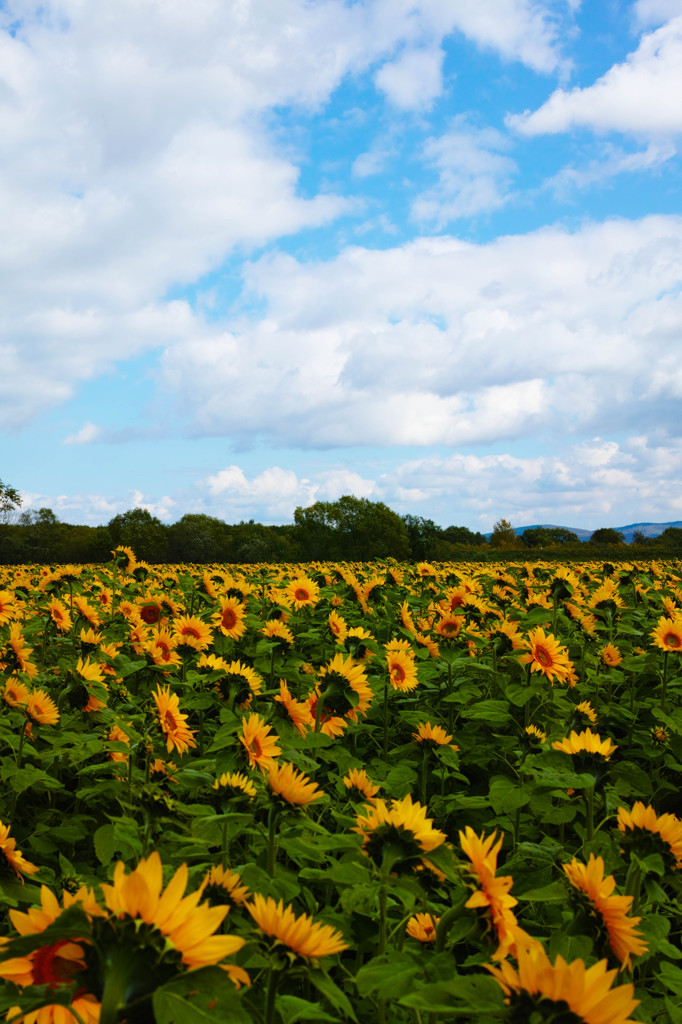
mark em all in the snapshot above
pixel 259 253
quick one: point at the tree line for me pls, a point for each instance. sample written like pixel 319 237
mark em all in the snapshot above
pixel 350 529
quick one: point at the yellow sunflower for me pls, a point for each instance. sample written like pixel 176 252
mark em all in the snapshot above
pixel 292 786
pixel 402 667
pixel 537 985
pixel 668 634
pixel 59 615
pixel 423 927
pixel 304 937
pixel 8 608
pixel 302 592
pixel 449 627
pixel 192 632
pixel 337 626
pixel 15 693
pixel 13 857
pixel 41 708
pixel 346 690
pixel 187 924
pixel 259 742
pixel 586 742
pixel 230 618
pixel 359 785
pixel 298 711
pixel 611 656
pixel 585 708
pixel 402 830
pixel 239 684
pixel 276 630
pixel 546 655
pixel 494 896
pixel 235 785
pixel 648 830
pixel 223 887
pixel 19 654
pixel 173 723
pixel 535 733
pixel 433 736
pixel 161 648
pixel 611 909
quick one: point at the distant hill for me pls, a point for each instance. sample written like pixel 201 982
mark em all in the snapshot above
pixel 648 529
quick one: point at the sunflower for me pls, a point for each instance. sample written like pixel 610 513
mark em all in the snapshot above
pixel 235 785
pixel 546 655
pixel 401 832
pixel 668 634
pixel 611 656
pixel 8 608
pixel 449 627
pixel 359 785
pixel 20 654
pixel 41 708
pixel 86 611
pixel 422 927
pixel 298 711
pixel 536 734
pixel 302 592
pixel 15 693
pixel 292 786
pixel 13 858
pixel 150 611
pixel 186 924
pixel 261 747
pixel 124 558
pixel 652 833
pixel 172 721
pixel 611 909
pixel 222 887
pixel 276 630
pixel 52 965
pixel 402 668
pixel 505 637
pixel 304 937
pixel 239 684
pixel 433 736
pixel 586 742
pixel 192 633
pixel 494 895
pixel 585 708
pixel 230 618
pixel 162 648
pixel 117 735
pixel 536 987
pixel 59 615
pixel 337 626
pixel 345 688
pixel 355 643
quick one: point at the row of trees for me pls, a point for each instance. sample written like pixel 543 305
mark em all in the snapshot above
pixel 344 530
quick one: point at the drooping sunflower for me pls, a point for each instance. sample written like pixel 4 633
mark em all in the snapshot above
pixel 402 667
pixel 278 631
pixel 423 927
pixel 546 655
pixel 338 626
pixel 304 937
pixel 41 709
pixel 534 733
pixel 292 786
pixel 86 610
pixel 192 632
pixel 359 785
pixel 117 735
pixel 13 858
pixel 221 886
pixel 302 592
pixel 8 608
pixel 651 833
pixel 19 654
pixel 173 723
pixel 494 895
pixel 298 711
pixel 185 922
pixel 59 614
pixel 401 831
pixel 235 785
pixel 610 908
pixel 668 634
pixel 230 619
pixel 536 985
pixel 433 736
pixel 585 708
pixel 259 742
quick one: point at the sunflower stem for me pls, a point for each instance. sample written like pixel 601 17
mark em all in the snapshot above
pixel 446 922
pixel 665 679
pixel 425 757
pixel 272 835
pixel 381 1008
pixel 385 743
pixel 272 668
pixel 589 813
pixel 633 885
pixel 451 711
pixel 20 752
pixel 273 984
pixel 224 846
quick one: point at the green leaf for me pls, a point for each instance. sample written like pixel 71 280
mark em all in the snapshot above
pixel 332 993
pixel 554 892
pixel 506 795
pixel 293 1009
pixel 492 712
pixel 205 996
pixel 388 977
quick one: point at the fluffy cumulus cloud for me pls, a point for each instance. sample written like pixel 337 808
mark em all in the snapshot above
pixel 640 95
pixel 442 341
pixel 137 152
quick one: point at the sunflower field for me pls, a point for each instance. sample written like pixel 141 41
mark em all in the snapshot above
pixel 341 792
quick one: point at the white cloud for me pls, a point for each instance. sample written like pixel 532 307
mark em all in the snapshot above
pixel 161 508
pixel 413 80
pixel 640 95
pixel 441 341
pixel 88 433
pixel 654 12
pixel 473 174
pixel 611 162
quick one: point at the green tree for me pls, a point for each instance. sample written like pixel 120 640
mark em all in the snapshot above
pixel 10 502
pixel 503 535
pixel 351 528
pixel 463 535
pixel 422 535
pixel 144 533
pixel 198 538
pixel 548 537
pixel 670 538
pixel 606 535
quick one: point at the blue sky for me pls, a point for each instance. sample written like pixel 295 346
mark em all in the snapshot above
pixel 257 254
